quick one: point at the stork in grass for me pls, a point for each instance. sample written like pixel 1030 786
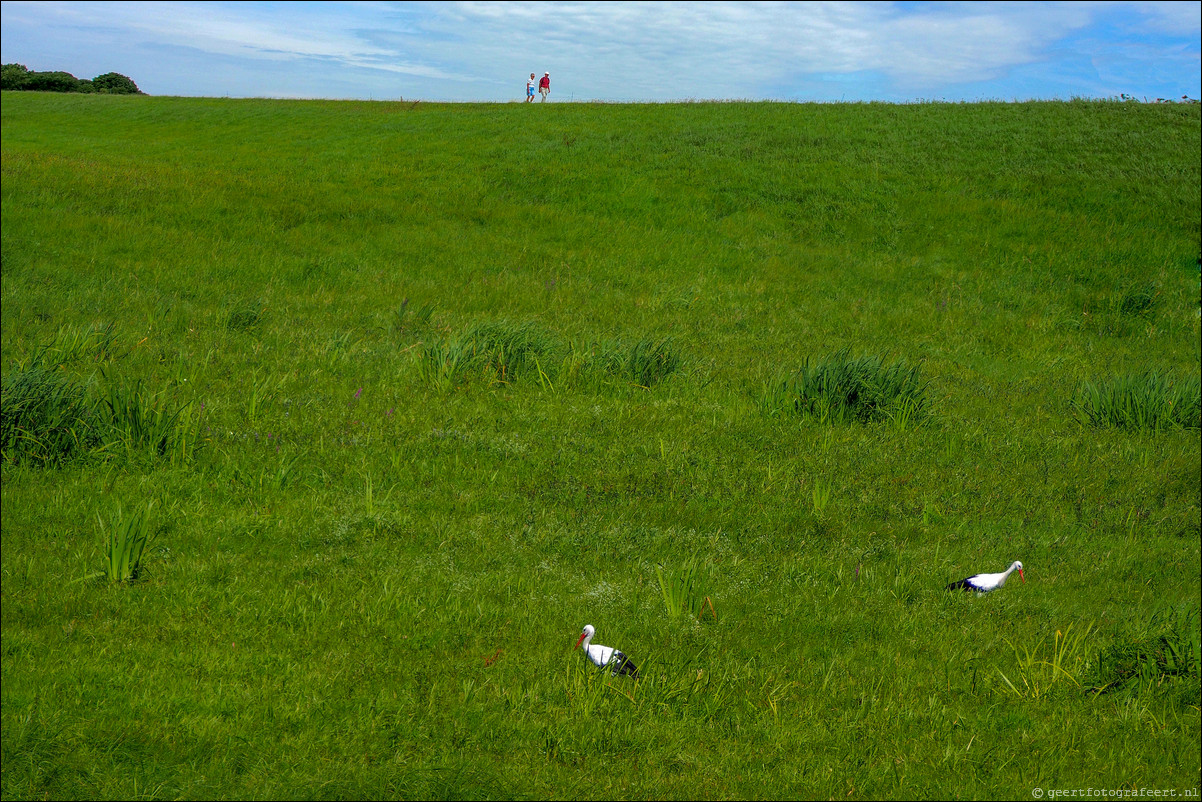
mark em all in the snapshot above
pixel 605 656
pixel 983 583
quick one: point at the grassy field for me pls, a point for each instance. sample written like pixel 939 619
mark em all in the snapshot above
pixel 394 398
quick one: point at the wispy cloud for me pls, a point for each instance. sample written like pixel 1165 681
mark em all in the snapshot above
pixel 627 51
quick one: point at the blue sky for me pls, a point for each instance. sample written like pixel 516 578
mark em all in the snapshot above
pixel 477 51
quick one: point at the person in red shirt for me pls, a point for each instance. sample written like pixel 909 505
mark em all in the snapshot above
pixel 544 87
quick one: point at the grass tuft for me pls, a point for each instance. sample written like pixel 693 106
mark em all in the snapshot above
pixel 405 318
pixel 501 350
pixel 1169 652
pixel 1046 666
pixel 509 350
pixel 844 389
pixel 1149 400
pixel 649 362
pixel 246 315
pixel 135 420
pixel 1139 301
pixel 76 343
pixel 125 541
pixel 46 419
pixel 681 588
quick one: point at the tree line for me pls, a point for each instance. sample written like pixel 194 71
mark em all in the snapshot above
pixel 20 77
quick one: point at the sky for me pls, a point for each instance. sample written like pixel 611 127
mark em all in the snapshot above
pixel 621 51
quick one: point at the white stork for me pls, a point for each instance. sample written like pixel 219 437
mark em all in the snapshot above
pixel 983 583
pixel 604 656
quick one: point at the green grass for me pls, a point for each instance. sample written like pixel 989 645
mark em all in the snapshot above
pixel 417 391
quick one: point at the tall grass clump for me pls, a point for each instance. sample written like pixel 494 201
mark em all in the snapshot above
pixel 507 351
pixel 125 541
pixel 1139 300
pixel 682 588
pixel 76 343
pixel 649 362
pixel 500 349
pixel 843 388
pixel 1169 652
pixel 1042 668
pixel 1149 400
pixel 643 363
pixel 135 420
pixel 46 419
pixel 245 315
pixel 510 349
pixel 444 363
pixel 405 318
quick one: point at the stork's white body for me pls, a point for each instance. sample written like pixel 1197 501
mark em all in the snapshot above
pixel 600 655
pixel 605 656
pixel 983 583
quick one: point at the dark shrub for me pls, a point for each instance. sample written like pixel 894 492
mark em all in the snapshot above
pixel 13 76
pixel 51 82
pixel 114 83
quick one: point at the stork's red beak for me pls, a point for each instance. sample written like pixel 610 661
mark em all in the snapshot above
pixel 579 641
pixel 1020 573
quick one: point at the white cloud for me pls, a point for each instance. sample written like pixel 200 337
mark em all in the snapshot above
pixel 1178 18
pixel 720 49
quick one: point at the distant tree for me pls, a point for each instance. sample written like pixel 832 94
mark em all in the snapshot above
pixel 85 87
pixel 13 76
pixel 51 82
pixel 114 83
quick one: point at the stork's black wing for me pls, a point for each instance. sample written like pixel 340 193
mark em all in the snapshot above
pixel 623 665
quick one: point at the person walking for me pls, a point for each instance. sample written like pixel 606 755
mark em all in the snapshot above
pixel 544 87
pixel 530 89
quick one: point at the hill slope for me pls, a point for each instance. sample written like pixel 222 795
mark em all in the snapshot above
pixel 430 387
